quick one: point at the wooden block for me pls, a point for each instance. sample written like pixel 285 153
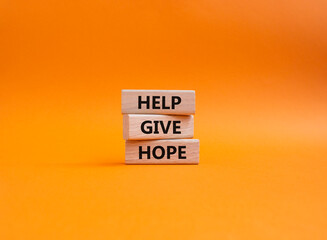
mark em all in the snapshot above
pixel 178 102
pixel 173 151
pixel 149 126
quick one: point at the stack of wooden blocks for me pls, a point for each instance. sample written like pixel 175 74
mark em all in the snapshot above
pixel 158 126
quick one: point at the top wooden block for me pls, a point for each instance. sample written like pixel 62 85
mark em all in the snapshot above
pixel 177 102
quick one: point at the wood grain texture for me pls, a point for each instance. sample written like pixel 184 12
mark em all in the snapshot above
pixel 187 151
pixel 151 126
pixel 160 101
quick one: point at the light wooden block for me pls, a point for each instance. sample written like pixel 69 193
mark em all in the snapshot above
pixel 150 126
pixel 173 151
pixel 177 102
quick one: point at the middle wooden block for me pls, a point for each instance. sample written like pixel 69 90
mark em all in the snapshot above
pixel 148 126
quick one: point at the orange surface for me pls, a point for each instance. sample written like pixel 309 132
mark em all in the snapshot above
pixel 259 71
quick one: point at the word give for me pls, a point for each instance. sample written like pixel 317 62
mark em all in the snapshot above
pixel 149 127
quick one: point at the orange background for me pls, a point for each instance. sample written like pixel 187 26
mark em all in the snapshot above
pixel 259 71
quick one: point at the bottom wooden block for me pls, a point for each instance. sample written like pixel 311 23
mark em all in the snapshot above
pixel 173 151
